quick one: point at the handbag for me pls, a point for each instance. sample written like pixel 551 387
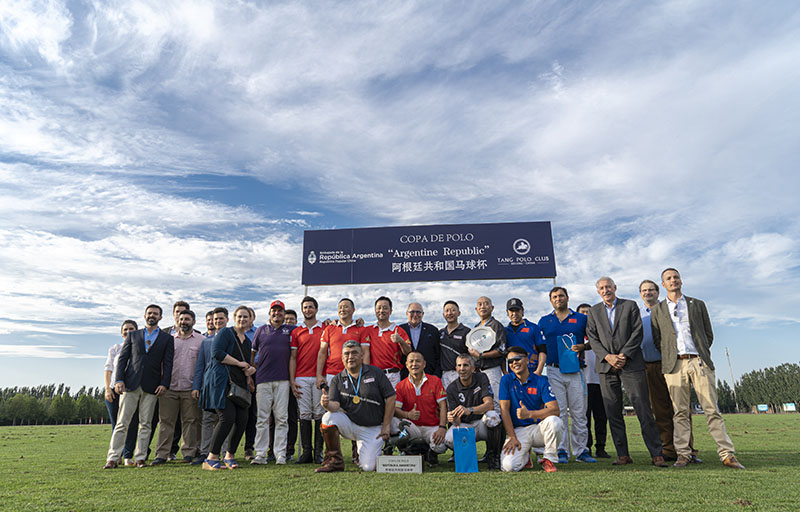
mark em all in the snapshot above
pixel 237 394
pixel 568 361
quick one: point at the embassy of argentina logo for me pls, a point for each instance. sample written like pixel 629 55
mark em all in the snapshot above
pixel 312 257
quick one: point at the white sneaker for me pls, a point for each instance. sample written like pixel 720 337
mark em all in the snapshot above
pixel 281 461
pixel 259 460
pixel 129 462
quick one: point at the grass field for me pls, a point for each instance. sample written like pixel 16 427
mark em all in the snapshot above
pixel 60 468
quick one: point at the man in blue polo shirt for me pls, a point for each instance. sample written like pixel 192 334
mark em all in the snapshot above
pixel 521 332
pixel 564 331
pixel 530 414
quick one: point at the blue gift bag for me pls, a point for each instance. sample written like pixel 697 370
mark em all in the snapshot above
pixel 465 450
pixel 567 359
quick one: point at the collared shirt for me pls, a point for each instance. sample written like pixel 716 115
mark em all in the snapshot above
pixel 573 326
pixel 383 352
pixel 590 372
pixel 679 314
pixel 469 396
pixel 426 398
pixel 451 345
pixel 272 344
pixel 306 340
pixel 649 350
pixel 610 311
pixel 184 361
pixel 499 344
pixel 526 335
pixel 111 361
pixel 534 393
pixel 150 338
pixel 413 333
pixel 335 336
pixel 373 388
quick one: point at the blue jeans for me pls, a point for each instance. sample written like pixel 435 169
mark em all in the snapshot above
pixel 133 428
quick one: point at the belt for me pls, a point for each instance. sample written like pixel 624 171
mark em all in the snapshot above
pixel 554 365
pixel 687 356
pixel 392 370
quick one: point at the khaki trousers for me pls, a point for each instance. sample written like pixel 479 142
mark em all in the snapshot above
pixel 129 402
pixel 661 404
pixel 693 371
pixel 168 406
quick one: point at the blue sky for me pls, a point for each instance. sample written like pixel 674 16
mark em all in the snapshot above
pixel 151 152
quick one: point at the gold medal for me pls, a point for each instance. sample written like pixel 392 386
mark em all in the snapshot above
pixel 356 399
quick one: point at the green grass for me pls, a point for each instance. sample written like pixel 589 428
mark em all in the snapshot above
pixel 60 468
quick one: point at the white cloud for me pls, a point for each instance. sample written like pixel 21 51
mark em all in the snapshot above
pixel 44 351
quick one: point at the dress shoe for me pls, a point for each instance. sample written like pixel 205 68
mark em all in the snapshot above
pixel 602 454
pixel 111 464
pixel 696 460
pixel 158 461
pixel 622 460
pixel 731 462
pixel 659 462
pixel 682 462
pixel 141 464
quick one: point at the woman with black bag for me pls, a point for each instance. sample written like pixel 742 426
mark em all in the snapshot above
pixel 226 389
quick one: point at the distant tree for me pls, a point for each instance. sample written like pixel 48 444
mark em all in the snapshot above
pixel 725 399
pixel 62 409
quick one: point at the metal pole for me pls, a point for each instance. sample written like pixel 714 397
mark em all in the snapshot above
pixel 733 383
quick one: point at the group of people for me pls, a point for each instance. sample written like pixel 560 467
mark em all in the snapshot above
pixel 538 387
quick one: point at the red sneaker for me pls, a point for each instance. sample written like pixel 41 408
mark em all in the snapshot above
pixel 548 466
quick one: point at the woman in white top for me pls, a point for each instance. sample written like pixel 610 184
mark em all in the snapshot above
pixel 111 397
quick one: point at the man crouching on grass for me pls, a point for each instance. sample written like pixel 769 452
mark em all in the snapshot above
pixel 530 414
pixel 360 407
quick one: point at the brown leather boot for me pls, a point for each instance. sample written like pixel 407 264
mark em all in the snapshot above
pixel 333 453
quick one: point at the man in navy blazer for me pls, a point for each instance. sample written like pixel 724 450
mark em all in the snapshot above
pixel 424 338
pixel 614 329
pixel 144 371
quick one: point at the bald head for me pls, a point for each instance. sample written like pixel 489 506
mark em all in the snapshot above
pixel 484 308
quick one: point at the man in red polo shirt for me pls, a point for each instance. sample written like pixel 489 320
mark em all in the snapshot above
pixel 302 379
pixel 387 342
pixel 329 357
pixel 421 399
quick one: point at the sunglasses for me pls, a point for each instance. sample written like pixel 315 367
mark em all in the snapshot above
pixel 512 360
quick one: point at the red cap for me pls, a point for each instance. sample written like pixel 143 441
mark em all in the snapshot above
pixel 277 304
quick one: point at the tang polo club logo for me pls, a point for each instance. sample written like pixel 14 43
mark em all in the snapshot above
pixel 521 246
pixel 312 257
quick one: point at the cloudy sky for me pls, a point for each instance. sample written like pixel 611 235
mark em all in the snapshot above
pixel 154 151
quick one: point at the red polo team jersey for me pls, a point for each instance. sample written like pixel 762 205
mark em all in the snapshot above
pixel 383 352
pixel 307 345
pixel 430 394
pixel 335 336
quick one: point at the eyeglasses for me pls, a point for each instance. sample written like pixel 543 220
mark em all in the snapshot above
pixel 518 359
pixel 415 312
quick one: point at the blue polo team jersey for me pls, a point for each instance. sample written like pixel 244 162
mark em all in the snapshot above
pixel 527 336
pixel 551 329
pixel 533 393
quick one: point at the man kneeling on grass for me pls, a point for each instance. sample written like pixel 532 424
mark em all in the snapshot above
pixel 530 414
pixel 360 407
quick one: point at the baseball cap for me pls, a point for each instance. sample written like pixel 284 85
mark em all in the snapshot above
pixel 514 304
pixel 277 304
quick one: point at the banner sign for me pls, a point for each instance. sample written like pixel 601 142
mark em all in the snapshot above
pixel 450 252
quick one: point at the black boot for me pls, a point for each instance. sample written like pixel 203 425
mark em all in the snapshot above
pixel 317 442
pixel 305 442
pixel 494 446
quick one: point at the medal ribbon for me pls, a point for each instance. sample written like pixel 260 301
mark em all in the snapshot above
pixel 355 387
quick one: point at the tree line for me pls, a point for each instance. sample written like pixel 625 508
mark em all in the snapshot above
pixel 54 404
pixel 49 404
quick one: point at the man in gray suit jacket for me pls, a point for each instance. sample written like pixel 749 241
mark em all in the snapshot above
pixel 614 330
pixel 682 333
